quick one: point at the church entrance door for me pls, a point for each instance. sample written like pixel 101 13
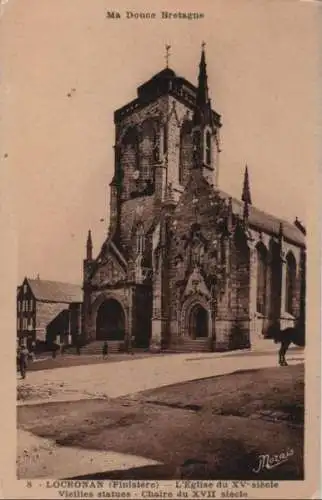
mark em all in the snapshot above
pixel 198 322
pixel 110 321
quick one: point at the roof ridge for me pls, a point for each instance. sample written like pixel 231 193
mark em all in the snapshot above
pixel 40 280
pixel 281 219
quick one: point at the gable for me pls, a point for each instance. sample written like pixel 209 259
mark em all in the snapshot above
pixel 109 272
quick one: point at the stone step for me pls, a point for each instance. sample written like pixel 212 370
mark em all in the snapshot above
pixel 190 345
pixel 96 347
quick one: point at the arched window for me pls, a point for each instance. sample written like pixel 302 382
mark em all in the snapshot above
pixel 261 279
pixel 148 148
pixel 290 283
pixel 185 154
pixel 140 239
pixel 128 156
pixel 208 148
pixel 165 138
pixel 196 146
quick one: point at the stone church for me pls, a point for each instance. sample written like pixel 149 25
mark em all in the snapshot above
pixel 185 266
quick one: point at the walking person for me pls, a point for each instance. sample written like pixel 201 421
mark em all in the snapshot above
pixel 105 350
pixel 23 360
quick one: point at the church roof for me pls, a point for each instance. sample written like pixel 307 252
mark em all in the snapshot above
pixel 55 291
pixel 258 219
pixel 165 82
pixel 164 73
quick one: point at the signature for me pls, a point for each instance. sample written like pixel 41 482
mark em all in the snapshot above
pixel 269 462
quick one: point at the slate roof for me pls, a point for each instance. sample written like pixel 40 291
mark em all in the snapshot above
pixel 268 223
pixel 55 291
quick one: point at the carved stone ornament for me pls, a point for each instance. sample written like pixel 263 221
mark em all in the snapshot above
pixel 196 285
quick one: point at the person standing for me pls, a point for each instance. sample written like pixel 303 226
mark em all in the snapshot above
pixel 132 344
pixel 23 360
pixel 105 350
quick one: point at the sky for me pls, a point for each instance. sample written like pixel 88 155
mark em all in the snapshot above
pixel 57 151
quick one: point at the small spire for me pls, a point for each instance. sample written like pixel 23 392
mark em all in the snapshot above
pixel 89 246
pixel 202 92
pixel 281 231
pixel 246 197
pixel 167 54
pixel 202 113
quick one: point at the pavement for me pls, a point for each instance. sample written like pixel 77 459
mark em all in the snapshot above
pixel 111 380
pixel 42 458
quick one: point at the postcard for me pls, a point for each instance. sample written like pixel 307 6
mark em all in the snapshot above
pixel 160 222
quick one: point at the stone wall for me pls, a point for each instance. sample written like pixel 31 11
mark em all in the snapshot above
pixel 46 312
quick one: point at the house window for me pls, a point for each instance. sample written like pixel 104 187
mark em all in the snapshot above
pixel 19 306
pixel 208 148
pixel 140 239
pixel 261 279
pixel 30 305
pixel 25 289
pixel 290 283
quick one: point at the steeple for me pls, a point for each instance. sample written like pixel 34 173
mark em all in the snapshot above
pixel 246 197
pixel 89 246
pixel 202 93
pixel 202 114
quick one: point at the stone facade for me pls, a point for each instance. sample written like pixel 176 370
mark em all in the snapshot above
pixel 186 266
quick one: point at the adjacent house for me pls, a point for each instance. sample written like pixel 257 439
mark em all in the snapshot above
pixel 48 311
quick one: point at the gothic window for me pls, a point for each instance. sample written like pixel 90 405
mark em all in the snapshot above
pixel 129 156
pixel 261 279
pixel 208 148
pixel 185 153
pixel 149 148
pixel 290 283
pixel 140 239
pixel 165 138
pixel 198 252
pixel 196 145
pixel 138 268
